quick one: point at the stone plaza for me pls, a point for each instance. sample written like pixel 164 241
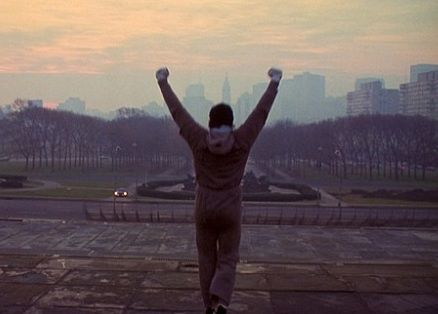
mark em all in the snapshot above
pixel 57 266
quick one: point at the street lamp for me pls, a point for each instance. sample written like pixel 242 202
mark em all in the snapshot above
pixel 118 149
pixel 338 156
pixel 319 157
pixel 338 160
pixel 134 148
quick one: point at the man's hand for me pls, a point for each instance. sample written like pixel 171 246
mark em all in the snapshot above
pixel 275 74
pixel 162 74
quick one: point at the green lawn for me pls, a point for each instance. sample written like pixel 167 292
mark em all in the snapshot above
pixel 354 199
pixel 99 183
pixel 323 179
pixel 63 192
pixel 102 178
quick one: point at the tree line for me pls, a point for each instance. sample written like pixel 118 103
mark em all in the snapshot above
pixel 369 146
pixel 57 140
pixel 388 146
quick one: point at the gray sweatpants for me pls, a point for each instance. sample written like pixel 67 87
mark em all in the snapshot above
pixel 218 228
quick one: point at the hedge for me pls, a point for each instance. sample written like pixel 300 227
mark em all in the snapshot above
pixel 11 184
pixel 10 177
pixel 306 192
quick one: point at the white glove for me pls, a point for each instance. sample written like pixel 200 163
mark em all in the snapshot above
pixel 162 74
pixel 275 74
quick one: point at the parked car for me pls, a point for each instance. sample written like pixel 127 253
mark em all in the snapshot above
pixel 121 192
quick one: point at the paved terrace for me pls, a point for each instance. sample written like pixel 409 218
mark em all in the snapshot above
pixel 53 266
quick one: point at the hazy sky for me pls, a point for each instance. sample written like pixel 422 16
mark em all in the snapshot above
pixel 106 52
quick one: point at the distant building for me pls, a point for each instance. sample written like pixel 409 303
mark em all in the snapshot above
pixel 195 90
pixel 421 68
pixel 226 92
pixel 154 109
pixel 243 108
pixel 73 104
pixel 258 90
pixel 300 98
pixel 35 103
pixel 372 98
pixel 310 88
pixel 363 80
pixel 197 104
pixel 247 101
pixel 100 114
pixel 421 96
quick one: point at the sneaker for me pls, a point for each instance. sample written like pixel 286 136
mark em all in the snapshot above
pixel 221 309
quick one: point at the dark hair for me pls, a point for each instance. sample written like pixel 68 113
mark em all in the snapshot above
pixel 220 114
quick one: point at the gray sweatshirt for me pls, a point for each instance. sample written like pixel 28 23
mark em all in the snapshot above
pixel 219 160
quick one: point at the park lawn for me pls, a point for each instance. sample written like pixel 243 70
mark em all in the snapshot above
pixel 355 199
pixel 76 183
pixel 101 177
pixel 11 167
pixel 327 181
pixel 63 192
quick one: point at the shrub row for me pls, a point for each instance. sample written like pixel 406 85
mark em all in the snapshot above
pixel 416 195
pixel 162 183
pixel 175 195
pixel 11 181
pixel 11 184
pixel 10 177
pixel 306 192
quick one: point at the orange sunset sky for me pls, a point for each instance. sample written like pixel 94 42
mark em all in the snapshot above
pixel 106 52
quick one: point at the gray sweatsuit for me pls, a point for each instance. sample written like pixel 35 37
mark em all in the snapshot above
pixel 219 167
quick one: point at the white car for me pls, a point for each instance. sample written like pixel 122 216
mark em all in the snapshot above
pixel 120 192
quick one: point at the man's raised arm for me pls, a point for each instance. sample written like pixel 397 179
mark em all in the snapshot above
pixel 189 129
pixel 251 128
pixel 182 118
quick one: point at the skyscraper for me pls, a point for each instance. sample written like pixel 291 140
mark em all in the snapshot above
pixel 363 80
pixel 226 92
pixel 73 104
pixel 300 98
pixel 310 88
pixel 243 108
pixel 421 68
pixel 371 98
pixel 196 103
pixel 421 96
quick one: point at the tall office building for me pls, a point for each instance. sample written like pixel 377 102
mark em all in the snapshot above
pixel 421 68
pixel 226 92
pixel 154 109
pixel 196 103
pixel 243 108
pixel 73 104
pixel 258 90
pixel 363 80
pixel 309 88
pixel 421 96
pixel 371 98
pixel 300 98
pixel 247 101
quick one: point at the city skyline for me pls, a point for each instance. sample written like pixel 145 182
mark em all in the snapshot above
pixel 106 52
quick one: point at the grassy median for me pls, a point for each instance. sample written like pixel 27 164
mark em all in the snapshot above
pixel 62 192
